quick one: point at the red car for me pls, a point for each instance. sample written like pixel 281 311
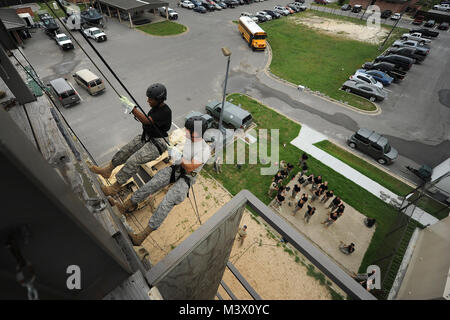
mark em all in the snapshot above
pixel 418 20
pixel 289 9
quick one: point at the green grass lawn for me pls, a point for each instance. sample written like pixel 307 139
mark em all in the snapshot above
pixel 165 28
pixel 428 204
pixel 248 177
pixel 320 61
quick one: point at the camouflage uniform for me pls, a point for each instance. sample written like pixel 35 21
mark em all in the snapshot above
pixel 133 154
pixel 176 194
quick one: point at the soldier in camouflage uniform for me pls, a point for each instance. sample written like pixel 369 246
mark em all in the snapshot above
pixel 145 147
pixel 195 153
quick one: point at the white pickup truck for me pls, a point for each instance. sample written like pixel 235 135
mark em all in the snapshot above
pixel 172 14
pixel 442 7
pixel 63 41
pixel 416 37
pixel 95 33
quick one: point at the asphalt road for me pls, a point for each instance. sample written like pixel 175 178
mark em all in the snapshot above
pixel 415 117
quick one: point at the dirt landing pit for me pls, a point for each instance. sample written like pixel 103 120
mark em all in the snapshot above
pixel 344 29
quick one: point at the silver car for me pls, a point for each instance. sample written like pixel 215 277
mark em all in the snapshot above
pixel 281 10
pixel 365 90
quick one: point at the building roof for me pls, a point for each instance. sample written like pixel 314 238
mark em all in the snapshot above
pixel 11 20
pixel 132 5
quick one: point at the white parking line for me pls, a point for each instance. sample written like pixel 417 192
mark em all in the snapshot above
pixel 75 91
pixel 387 90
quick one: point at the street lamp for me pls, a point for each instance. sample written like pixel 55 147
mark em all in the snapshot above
pixel 227 53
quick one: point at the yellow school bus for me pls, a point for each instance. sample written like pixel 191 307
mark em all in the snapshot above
pixel 252 33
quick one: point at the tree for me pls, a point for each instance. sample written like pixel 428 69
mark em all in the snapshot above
pixel 341 2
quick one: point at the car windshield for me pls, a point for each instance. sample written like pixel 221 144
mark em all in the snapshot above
pixel 387 148
pixel 96 31
pixel 64 38
pixel 260 36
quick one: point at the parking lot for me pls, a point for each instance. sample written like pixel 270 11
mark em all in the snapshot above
pixel 193 68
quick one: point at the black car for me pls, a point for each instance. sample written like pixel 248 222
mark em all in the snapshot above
pixel 196 3
pixel 273 14
pixel 386 14
pixel 407 52
pixel 403 63
pixel 208 6
pixel 200 9
pixel 357 8
pixel 388 68
pixel 425 32
pixel 231 3
pixel 300 1
pixel 346 7
pixel 443 26
pixel 261 18
pixel 430 24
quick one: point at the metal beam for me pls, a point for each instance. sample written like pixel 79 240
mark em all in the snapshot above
pixel 228 290
pixel 244 282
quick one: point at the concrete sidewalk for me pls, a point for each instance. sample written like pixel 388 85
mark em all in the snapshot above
pixel 305 140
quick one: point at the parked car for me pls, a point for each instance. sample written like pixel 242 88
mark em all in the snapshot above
pixel 403 63
pixel 430 24
pixel 386 14
pixel 261 18
pixel 89 81
pixel 187 4
pixel 443 26
pixel 416 36
pixel 196 3
pixel 265 14
pixel 407 52
pixel 325 2
pixel 373 144
pixel 291 11
pixel 293 7
pixel 217 7
pixel 299 6
pixel 365 78
pixel 233 115
pixel 275 15
pixel 281 10
pixel 357 8
pixel 346 7
pixel 221 4
pixel 200 9
pixel 421 49
pixel 231 3
pixel 63 41
pixel 208 6
pixel 426 32
pixel 396 16
pixel 64 92
pixel 442 7
pixel 95 33
pixel 380 76
pixel 365 90
pixel 170 12
pixel 388 68
pixel 418 20
pixel 208 119
pixel 300 1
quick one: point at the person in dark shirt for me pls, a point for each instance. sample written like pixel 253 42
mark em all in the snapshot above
pixel 328 195
pixel 309 213
pixel 146 146
pixel 347 249
pixel 333 216
pixel 280 197
pixel 296 189
pixel 278 178
pixel 333 204
pixel 302 160
pixel 300 203
pixel 316 194
pixel 309 180
pixel 289 167
pixel 304 169
pixel 316 182
pixel 323 187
